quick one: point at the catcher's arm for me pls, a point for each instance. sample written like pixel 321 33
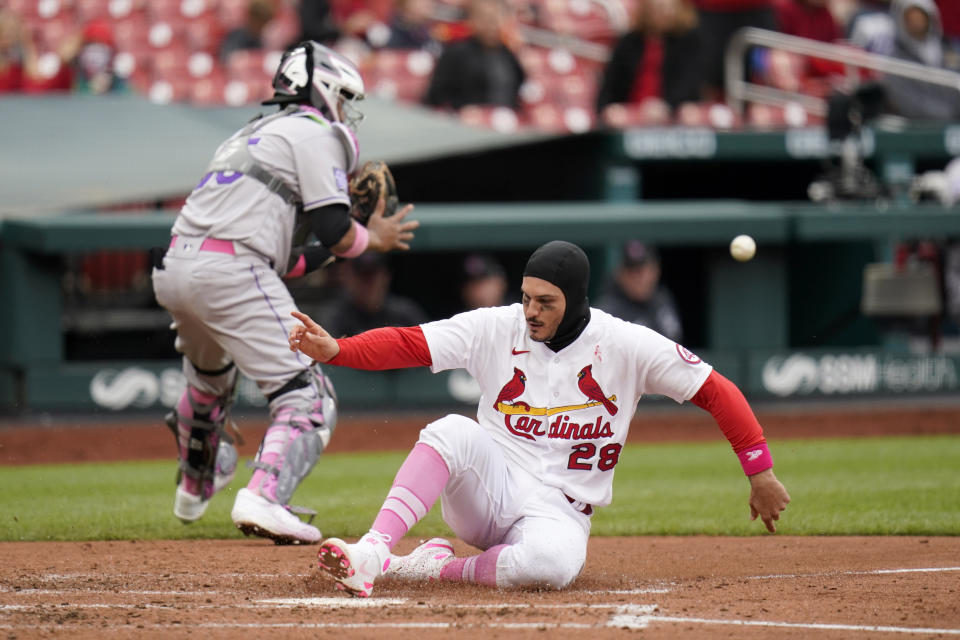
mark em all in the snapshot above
pixel 307 259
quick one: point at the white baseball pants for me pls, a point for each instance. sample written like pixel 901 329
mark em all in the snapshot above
pixel 487 501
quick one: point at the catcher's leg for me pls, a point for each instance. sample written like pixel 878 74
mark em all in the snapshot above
pixel 207 456
pixel 304 415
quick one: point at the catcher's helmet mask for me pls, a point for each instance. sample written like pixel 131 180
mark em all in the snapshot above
pixel 319 76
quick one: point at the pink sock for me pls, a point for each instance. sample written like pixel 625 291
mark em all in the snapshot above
pixel 269 489
pixel 185 409
pixel 479 569
pixel 416 487
pixel 275 441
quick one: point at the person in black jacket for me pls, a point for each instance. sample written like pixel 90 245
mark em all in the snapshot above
pixel 635 293
pixel 656 63
pixel 480 69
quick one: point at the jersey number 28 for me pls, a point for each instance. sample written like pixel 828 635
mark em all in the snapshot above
pixel 582 455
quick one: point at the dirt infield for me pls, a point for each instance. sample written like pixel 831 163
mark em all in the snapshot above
pixel 658 588
pixel 650 587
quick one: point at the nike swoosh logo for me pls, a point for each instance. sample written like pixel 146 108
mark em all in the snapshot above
pixel 517 353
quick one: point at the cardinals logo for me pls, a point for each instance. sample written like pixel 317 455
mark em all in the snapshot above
pixel 591 389
pixel 531 423
pixel 513 389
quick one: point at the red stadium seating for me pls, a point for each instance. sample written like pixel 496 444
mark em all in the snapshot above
pixel 203 33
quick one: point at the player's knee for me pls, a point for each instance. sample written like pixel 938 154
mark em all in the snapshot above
pixel 540 566
pixel 451 436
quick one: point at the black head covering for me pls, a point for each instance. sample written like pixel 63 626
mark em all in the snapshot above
pixel 565 265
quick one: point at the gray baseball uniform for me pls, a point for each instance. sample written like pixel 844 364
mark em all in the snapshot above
pixel 235 307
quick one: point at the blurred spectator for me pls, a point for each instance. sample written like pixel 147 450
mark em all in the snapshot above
pixel 480 69
pixel 14 48
pixel 87 59
pixel 950 17
pixel 250 34
pixel 871 28
pixel 484 282
pixel 919 39
pixel 635 294
pixel 810 19
pixel 366 301
pixel 410 27
pixel 663 36
pixel 317 22
pixel 355 18
pixel 719 20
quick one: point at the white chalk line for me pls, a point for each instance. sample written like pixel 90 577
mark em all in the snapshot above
pixel 166 575
pixel 630 616
pixel 62 592
pixel 833 574
pixel 619 621
pixel 325 603
pixel 801 625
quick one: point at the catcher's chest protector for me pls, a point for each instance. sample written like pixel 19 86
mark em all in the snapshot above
pixel 234 154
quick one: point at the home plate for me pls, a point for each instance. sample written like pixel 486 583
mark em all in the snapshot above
pixel 355 603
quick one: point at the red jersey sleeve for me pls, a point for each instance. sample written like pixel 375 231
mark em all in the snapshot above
pixel 724 401
pixel 386 348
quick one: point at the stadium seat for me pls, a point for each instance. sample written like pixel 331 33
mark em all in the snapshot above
pixel 209 90
pixel 502 119
pixel 247 63
pixel 232 13
pixel 130 33
pixel 761 116
pixel 195 9
pixel 164 10
pixel 46 10
pixel 557 119
pixel 282 30
pixel 203 34
pixel 170 64
pixel 166 35
pixel 51 33
pixel 86 10
pixel 238 92
pixel 168 90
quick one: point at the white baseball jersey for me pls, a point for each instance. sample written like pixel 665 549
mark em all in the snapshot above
pixel 563 416
pixel 312 158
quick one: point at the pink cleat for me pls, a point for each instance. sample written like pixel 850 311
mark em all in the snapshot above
pixel 354 566
pixel 423 563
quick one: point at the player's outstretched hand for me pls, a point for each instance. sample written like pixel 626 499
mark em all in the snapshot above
pixel 768 497
pixel 392 232
pixel 311 339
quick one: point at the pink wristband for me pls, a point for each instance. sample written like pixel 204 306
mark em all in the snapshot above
pixel 361 238
pixel 755 459
pixel 298 269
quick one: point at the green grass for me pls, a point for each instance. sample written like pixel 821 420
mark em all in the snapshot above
pixel 864 486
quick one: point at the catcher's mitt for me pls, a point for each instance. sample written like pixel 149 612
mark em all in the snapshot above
pixel 366 185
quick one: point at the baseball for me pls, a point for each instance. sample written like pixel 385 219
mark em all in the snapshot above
pixel 742 248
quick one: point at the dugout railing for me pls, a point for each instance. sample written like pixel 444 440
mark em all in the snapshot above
pixel 756 312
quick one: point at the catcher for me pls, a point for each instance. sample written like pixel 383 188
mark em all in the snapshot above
pixel 275 203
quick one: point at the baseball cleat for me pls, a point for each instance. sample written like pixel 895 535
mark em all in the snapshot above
pixel 423 563
pixel 353 566
pixel 254 515
pixel 190 507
